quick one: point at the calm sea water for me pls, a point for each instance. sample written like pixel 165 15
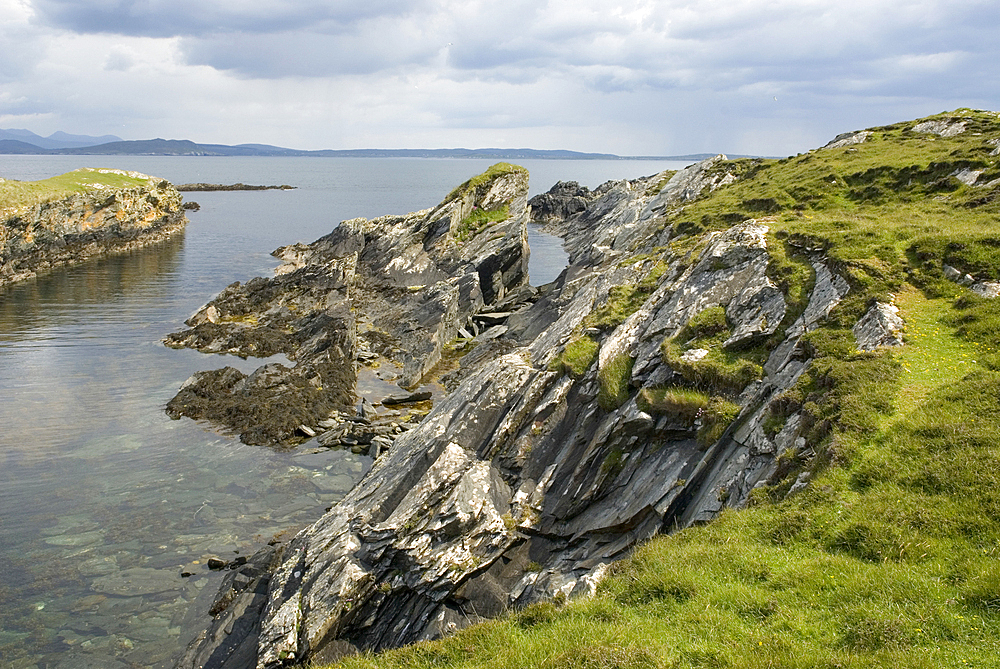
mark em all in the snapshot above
pixel 104 501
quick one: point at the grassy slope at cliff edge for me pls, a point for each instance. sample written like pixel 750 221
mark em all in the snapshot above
pixel 17 194
pixel 83 214
pixel 889 556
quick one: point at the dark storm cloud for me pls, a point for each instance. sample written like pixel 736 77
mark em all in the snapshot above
pixel 173 18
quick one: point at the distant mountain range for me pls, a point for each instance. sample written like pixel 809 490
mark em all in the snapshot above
pixel 60 143
pixel 57 140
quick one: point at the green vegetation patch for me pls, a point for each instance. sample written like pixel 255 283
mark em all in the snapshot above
pixel 577 357
pixel 17 194
pixel 720 371
pixel 688 406
pixel 718 415
pixel 480 180
pixel 613 380
pixel 684 404
pixel 793 274
pixel 706 325
pixel 478 220
pixel 869 200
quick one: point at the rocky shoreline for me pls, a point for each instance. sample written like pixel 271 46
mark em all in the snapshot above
pixel 97 222
pixel 556 445
pixel 391 294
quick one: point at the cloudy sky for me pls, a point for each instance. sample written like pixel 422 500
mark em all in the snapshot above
pixel 659 77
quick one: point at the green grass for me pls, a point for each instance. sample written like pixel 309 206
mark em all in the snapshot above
pixel 479 220
pixel 869 202
pixel 721 371
pixel 684 404
pixel 17 194
pixel 577 357
pixel 613 379
pixel 687 406
pixel 718 415
pixel 936 354
pixel 890 555
pixel 476 182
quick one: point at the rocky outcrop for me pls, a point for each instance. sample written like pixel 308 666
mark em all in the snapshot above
pixel 880 326
pixel 611 222
pixel 391 291
pixel 563 201
pixel 945 127
pixel 981 287
pixel 99 220
pixel 535 473
pixel 849 139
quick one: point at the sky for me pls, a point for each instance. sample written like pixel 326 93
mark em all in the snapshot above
pixel 661 77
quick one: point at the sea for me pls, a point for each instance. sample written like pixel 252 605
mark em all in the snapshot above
pixel 104 501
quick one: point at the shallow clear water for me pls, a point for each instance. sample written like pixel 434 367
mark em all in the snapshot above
pixel 104 501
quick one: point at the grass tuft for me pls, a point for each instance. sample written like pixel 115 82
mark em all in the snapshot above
pixel 480 180
pixel 613 379
pixel 479 220
pixel 577 357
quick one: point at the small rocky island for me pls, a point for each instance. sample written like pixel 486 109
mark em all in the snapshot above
pixel 206 187
pixel 87 213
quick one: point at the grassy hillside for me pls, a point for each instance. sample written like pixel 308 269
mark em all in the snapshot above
pixel 889 556
pixel 17 194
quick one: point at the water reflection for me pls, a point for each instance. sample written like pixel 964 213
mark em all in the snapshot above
pixel 104 501
pixel 103 282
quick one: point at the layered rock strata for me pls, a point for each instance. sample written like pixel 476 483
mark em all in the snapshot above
pixel 543 465
pixel 391 291
pixel 97 222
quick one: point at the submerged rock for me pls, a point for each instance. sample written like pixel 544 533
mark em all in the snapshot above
pixel 137 581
